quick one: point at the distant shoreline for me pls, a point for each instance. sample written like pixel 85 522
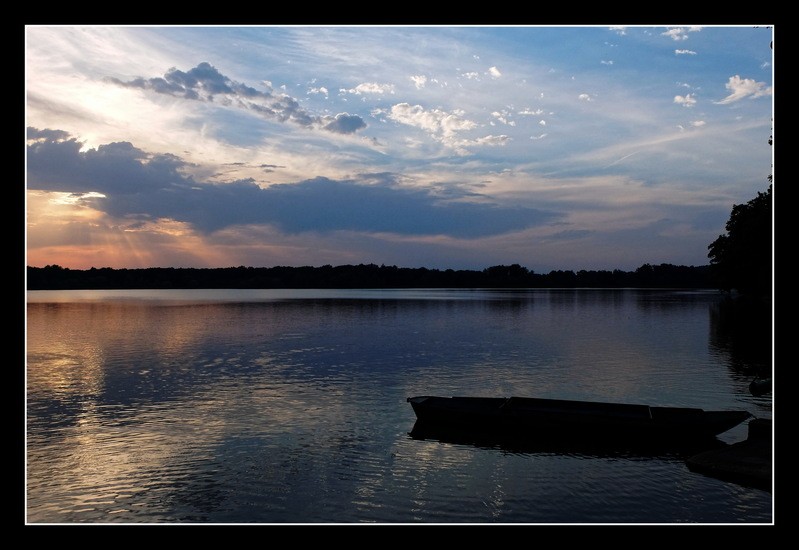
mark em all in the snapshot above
pixel 53 277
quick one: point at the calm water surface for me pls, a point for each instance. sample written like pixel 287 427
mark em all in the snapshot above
pixel 288 406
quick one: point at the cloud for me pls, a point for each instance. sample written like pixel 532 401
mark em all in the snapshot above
pixel 46 135
pixel 489 140
pixel 202 82
pixel 344 123
pixel 621 31
pixel 687 100
pixel 531 112
pixel 119 169
pixel 542 122
pixel 680 33
pixel 319 90
pixel 137 187
pixel 607 62
pixel 269 168
pixel 584 97
pixel 370 88
pixel 419 81
pixel 684 52
pixel 570 234
pixel 503 117
pixel 618 160
pixel 494 72
pixel 205 83
pixel 542 136
pixel 442 125
pixel 471 75
pixel 676 34
pixel 744 87
pixel 693 124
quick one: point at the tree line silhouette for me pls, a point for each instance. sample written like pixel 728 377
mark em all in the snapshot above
pixel 53 277
pixel 740 260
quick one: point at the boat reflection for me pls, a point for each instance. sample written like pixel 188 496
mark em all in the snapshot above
pixel 552 444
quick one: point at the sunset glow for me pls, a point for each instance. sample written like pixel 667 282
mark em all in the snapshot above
pixel 444 147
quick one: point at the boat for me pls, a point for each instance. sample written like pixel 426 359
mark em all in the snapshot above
pixel 536 417
pixel 530 442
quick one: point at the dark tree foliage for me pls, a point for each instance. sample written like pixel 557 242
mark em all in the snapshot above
pixel 743 259
pixel 363 276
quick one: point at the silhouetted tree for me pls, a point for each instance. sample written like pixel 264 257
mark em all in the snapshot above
pixel 360 276
pixel 742 259
pixel 507 276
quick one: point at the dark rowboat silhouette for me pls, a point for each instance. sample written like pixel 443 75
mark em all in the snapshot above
pixel 534 417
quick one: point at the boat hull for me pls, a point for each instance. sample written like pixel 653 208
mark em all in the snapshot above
pixel 533 417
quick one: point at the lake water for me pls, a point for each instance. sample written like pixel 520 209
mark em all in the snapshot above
pixel 289 406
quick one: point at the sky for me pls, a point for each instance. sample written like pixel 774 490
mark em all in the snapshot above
pixel 446 147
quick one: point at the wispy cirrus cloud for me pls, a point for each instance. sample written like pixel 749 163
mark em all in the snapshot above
pixel 741 88
pixel 692 124
pixel 205 83
pixel 684 52
pixel 488 140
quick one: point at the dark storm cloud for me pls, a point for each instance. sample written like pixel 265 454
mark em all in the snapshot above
pixel 205 83
pixel 203 75
pixel 346 124
pixel 139 185
pixel 118 169
pixel 201 82
pixel 46 134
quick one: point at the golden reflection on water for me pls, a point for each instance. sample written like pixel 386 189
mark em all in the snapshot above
pixel 105 466
pixel 112 458
pixel 174 411
pixel 99 460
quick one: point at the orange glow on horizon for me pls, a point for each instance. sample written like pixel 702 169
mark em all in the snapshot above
pixel 63 229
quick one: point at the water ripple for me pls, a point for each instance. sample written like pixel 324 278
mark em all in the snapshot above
pixel 293 411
